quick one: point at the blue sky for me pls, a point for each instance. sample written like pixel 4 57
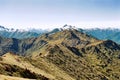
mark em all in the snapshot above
pixel 56 13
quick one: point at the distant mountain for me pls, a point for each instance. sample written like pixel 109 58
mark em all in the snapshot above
pixel 19 33
pixel 38 31
pixel 115 37
pixel 104 34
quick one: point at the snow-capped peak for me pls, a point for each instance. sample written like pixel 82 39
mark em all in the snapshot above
pixel 2 28
pixel 68 27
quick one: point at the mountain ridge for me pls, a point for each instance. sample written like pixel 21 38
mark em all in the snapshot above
pixel 76 54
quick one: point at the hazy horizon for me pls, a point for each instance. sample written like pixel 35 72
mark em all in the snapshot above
pixel 46 14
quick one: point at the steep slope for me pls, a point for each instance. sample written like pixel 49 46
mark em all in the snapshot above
pixel 15 45
pixel 66 38
pixel 18 66
pixel 8 45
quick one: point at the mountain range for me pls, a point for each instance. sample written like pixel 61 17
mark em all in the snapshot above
pixel 62 54
pixel 102 34
pixel 20 33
